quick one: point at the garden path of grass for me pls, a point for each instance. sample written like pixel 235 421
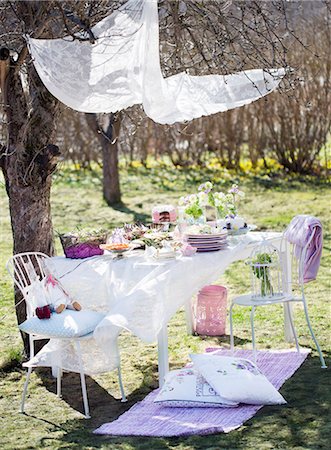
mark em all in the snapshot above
pixel 51 423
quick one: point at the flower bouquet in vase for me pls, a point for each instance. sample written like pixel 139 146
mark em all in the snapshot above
pixel 234 223
pixel 194 208
pixel 261 265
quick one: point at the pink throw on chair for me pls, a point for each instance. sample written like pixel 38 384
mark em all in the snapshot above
pixel 299 232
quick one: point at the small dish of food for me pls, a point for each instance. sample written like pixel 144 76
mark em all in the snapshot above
pixel 117 248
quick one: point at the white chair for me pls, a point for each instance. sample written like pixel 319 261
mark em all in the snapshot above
pixel 290 288
pixel 24 268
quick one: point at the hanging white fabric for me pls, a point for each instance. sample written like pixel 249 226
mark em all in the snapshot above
pixel 123 69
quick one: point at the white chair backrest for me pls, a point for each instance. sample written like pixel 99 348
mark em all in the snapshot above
pixel 25 268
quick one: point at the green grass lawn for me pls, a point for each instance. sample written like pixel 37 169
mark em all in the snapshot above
pixel 270 203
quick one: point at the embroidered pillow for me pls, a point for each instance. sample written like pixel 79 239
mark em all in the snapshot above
pixel 237 379
pixel 187 388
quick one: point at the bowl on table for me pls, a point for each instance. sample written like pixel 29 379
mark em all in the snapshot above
pixel 117 248
pixel 241 231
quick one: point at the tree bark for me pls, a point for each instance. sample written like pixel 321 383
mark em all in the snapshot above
pixel 108 133
pixel 27 163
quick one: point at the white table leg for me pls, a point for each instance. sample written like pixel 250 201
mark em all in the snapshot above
pixel 289 336
pixel 55 371
pixel 189 318
pixel 163 358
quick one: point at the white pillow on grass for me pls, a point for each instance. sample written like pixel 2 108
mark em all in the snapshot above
pixel 68 324
pixel 187 388
pixel 237 379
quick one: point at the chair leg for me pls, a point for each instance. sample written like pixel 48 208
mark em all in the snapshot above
pixel 58 382
pixel 123 399
pixel 231 329
pixel 323 365
pixel 253 333
pixel 82 380
pixel 25 389
pixel 289 313
pixel 31 344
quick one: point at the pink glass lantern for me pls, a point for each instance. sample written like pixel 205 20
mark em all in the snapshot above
pixel 210 315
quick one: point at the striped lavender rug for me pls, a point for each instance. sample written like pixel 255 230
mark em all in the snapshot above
pixel 149 419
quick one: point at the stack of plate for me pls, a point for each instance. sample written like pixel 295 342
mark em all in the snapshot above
pixel 208 242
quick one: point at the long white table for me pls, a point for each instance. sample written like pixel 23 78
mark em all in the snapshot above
pixel 141 295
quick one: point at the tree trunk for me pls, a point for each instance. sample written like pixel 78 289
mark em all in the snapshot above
pixel 108 133
pixel 111 178
pixel 27 164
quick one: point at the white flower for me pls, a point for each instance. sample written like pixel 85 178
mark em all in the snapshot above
pixel 206 187
pixel 181 201
pixel 235 191
pixel 193 198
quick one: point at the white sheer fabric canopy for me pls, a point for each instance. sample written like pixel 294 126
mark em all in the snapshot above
pixel 123 69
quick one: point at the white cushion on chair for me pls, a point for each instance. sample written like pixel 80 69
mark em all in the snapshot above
pixel 68 324
pixel 237 379
pixel 186 388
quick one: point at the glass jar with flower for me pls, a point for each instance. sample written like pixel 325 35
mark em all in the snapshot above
pixel 232 200
pixel 194 205
pixel 234 223
pixel 220 204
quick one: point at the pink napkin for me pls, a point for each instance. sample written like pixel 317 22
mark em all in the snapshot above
pixel 187 249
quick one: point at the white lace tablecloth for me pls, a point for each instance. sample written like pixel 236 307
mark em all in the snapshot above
pixel 137 294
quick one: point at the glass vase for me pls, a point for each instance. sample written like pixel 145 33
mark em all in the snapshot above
pixel 201 220
pixel 220 218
